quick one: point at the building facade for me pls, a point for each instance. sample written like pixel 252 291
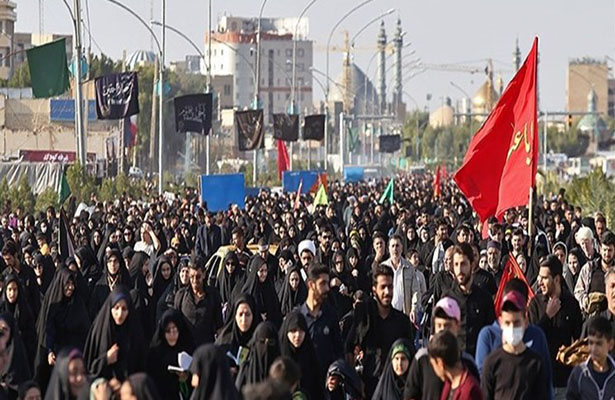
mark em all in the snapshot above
pixel 582 76
pixel 234 53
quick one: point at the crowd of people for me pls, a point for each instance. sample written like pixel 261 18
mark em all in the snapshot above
pixel 355 299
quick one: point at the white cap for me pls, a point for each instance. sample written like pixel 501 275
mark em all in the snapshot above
pixel 307 245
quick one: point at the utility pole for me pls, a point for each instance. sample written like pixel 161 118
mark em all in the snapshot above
pixel 79 128
pixel 209 88
pixel 161 98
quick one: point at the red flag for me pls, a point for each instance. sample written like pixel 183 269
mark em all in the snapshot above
pixel 499 167
pixel 511 270
pixel 436 183
pixel 443 171
pixel 283 160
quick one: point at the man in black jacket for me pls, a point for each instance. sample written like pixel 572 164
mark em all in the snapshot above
pixel 208 238
pixel 557 313
pixel 476 305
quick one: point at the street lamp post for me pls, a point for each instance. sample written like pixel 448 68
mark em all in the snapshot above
pixel 456 86
pixel 161 49
pixel 293 103
pixel 79 126
pixel 257 83
pixel 337 24
pixel 188 159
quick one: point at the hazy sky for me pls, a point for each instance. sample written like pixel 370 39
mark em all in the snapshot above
pixel 452 31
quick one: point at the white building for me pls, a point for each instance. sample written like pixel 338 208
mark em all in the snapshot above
pixel 234 53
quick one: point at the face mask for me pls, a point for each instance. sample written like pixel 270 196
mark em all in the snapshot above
pixel 512 336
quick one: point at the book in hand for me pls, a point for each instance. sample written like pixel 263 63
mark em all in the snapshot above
pixel 183 360
pixel 242 355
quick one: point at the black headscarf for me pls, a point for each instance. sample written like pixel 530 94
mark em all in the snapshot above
pixel 46 263
pixel 231 337
pixel 89 268
pixel 211 366
pixel 264 349
pixel 290 298
pixel 304 356
pixel 59 387
pixel 107 282
pixel 136 272
pixel 22 313
pixel 390 385
pixel 104 333
pixel 16 369
pixel 160 284
pixel 161 354
pixel 227 282
pixel 143 387
pixel 62 322
pixel 264 294
pixel 168 296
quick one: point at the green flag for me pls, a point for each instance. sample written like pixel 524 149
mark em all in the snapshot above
pixel 48 69
pixel 321 198
pixel 388 192
pixel 353 139
pixel 63 189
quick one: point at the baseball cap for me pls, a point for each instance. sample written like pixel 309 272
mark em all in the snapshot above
pixel 515 299
pixel 450 307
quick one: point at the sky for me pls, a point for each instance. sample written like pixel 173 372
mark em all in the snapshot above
pixel 465 32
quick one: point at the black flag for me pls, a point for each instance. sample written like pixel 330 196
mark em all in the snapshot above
pixel 286 127
pixel 193 113
pixel 250 132
pixel 117 95
pixel 66 247
pixel 390 143
pixel 314 127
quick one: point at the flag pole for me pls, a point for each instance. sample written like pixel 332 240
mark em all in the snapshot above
pixel 530 224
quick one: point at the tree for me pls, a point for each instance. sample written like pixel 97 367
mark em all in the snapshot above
pixel 21 77
pixel 22 194
pixel 570 142
pixel 592 193
pixel 47 198
pixel 81 183
pixel 103 65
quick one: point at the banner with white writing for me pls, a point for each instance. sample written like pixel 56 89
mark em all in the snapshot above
pixel 193 113
pixel 117 95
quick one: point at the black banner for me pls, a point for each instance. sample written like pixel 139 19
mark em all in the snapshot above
pixel 117 95
pixel 286 127
pixel 193 113
pixel 250 132
pixel 390 143
pixel 314 127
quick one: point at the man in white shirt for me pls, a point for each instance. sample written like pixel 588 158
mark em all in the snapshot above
pixel 408 283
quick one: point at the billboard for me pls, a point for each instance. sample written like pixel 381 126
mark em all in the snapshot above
pixel 292 179
pixel 219 191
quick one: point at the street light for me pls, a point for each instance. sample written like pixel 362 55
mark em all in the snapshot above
pixel 384 14
pixel 161 52
pixel 294 80
pixel 79 126
pixel 188 155
pixel 456 86
pixel 258 84
pixel 337 24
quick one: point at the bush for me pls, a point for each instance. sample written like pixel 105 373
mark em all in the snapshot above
pixel 22 195
pixel 81 183
pixel 47 198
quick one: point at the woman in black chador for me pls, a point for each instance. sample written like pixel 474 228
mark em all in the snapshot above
pixel 115 347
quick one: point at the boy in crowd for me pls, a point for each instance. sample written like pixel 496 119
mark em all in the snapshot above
pixel 595 378
pixel 513 371
pixel 445 360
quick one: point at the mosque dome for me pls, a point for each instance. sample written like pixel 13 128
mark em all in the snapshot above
pixel 140 58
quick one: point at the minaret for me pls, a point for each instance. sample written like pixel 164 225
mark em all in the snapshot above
pixel 517 56
pixel 382 86
pixel 398 42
